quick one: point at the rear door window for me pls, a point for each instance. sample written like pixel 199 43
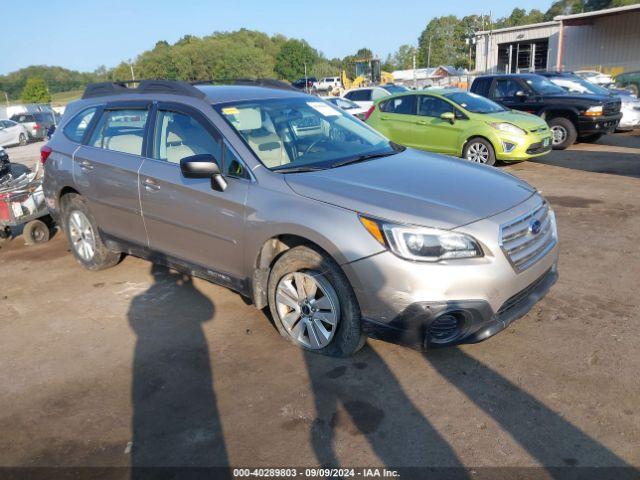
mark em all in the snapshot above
pixel 120 131
pixel 75 129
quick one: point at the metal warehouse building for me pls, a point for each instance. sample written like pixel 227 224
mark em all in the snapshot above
pixel 606 40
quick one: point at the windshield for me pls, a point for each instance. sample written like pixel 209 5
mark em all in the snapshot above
pixel 544 86
pixel 302 133
pixel 474 103
pixel 343 103
pixel 579 85
pixel 393 89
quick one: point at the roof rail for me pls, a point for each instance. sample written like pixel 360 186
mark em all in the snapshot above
pixel 256 82
pixel 144 86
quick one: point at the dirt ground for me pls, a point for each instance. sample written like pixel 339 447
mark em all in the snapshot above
pixel 138 366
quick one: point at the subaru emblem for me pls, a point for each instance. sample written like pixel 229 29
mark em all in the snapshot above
pixel 535 226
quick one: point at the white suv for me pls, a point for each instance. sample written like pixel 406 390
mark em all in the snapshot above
pixel 366 96
pixel 328 84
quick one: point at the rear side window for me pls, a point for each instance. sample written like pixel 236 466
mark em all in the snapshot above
pixel 120 131
pixel 22 118
pixel 506 88
pixel 481 86
pixel 75 128
pixel 405 105
pixel 359 95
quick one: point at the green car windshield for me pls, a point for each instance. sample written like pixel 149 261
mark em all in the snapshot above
pixel 474 103
pixel 301 134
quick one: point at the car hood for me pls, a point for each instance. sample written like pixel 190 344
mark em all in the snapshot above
pixel 523 120
pixel 415 187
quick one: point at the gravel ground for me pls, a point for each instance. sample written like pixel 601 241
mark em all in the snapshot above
pixel 138 366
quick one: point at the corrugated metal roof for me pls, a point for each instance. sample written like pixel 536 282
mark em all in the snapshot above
pixel 599 13
pixel 520 27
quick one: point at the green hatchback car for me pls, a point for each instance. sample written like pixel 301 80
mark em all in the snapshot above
pixel 460 123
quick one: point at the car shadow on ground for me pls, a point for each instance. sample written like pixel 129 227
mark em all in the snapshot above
pixel 175 417
pixel 624 164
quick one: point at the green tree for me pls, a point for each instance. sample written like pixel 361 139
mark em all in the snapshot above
pixel 36 91
pixel 293 56
pixel 402 59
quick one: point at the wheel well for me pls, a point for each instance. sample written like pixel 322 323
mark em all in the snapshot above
pixel 66 191
pixel 269 253
pixel 464 145
pixel 569 115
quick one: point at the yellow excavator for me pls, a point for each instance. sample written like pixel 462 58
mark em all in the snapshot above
pixel 367 72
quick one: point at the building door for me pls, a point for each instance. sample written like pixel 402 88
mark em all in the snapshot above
pixel 522 57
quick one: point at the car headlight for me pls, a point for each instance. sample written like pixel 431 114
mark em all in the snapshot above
pixel 421 243
pixel 508 128
pixel 594 111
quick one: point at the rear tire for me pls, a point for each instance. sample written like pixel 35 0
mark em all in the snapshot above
pixel 319 294
pixel 563 131
pixel 84 237
pixel 479 150
pixel 35 231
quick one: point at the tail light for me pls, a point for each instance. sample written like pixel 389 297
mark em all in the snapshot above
pixel 369 112
pixel 36 127
pixel 45 151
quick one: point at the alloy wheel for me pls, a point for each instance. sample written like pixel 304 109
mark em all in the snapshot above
pixel 22 139
pixel 82 235
pixel 478 152
pixel 559 134
pixel 308 308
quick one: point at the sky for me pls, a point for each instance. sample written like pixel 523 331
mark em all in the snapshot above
pixel 84 34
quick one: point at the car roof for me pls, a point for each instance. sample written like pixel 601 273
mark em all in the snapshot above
pixel 510 75
pixel 240 93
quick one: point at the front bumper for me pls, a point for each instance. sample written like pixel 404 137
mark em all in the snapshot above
pixel 512 148
pixel 602 124
pixel 400 300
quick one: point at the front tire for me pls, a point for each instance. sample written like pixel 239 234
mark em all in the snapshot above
pixel 479 150
pixel 563 132
pixel 84 237
pixel 313 304
pixel 22 140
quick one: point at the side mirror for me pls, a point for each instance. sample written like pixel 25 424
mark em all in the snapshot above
pixel 449 117
pixel 522 94
pixel 203 166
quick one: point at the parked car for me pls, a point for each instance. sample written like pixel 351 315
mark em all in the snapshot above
pixel 630 80
pixel 37 124
pixel 305 83
pixel 348 106
pixel 570 116
pixel 12 133
pixel 456 122
pixel 329 84
pixel 5 165
pixel 630 108
pixel 596 77
pixel 365 96
pixel 342 233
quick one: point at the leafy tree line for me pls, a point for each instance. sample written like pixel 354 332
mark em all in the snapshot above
pixel 252 54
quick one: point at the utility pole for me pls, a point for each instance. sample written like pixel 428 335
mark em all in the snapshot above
pixel 306 81
pixel 133 77
pixel 415 79
pixel 429 52
pixel 6 97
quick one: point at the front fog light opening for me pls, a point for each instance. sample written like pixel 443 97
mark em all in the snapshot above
pixel 445 328
pixel 508 147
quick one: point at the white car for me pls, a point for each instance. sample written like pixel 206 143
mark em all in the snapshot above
pixel 593 76
pixel 348 106
pixel 365 96
pixel 12 133
pixel 328 84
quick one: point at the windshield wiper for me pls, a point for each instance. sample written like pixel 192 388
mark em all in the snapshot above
pixel 299 169
pixel 364 158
